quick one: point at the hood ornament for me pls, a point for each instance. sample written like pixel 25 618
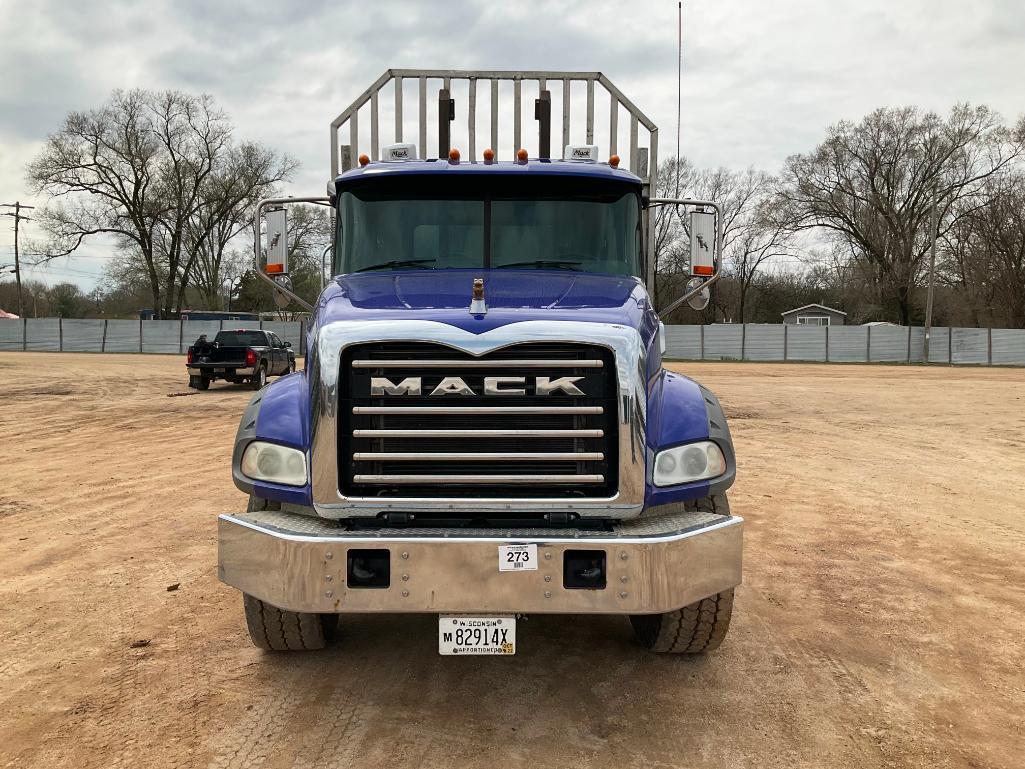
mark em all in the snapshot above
pixel 477 305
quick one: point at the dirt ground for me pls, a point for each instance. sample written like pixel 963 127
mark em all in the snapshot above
pixel 881 620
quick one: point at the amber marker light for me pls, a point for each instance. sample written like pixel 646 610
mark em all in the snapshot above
pixel 614 161
pixel 453 155
pixel 489 155
pixel 364 160
pixel 275 268
pixel 521 155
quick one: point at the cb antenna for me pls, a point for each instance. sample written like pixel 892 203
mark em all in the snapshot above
pixel 679 86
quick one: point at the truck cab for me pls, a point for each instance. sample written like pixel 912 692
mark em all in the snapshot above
pixel 484 427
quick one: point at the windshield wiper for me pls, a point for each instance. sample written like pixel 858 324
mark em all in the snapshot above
pixel 555 264
pixel 396 263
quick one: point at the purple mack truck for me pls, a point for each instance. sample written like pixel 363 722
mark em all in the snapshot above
pixel 483 427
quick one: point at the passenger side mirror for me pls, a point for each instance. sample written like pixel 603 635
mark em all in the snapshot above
pixel 706 234
pixel 702 244
pixel 288 344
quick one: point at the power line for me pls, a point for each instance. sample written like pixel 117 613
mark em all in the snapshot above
pixel 64 271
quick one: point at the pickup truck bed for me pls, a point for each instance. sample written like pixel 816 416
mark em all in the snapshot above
pixel 239 356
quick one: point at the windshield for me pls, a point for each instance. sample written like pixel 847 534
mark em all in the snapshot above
pixel 241 338
pixel 433 222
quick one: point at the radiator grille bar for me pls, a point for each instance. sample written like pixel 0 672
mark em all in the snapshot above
pixel 478 479
pixel 426 410
pixel 502 456
pixel 476 363
pixel 478 433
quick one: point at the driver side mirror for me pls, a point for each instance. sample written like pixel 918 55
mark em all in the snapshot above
pixel 288 344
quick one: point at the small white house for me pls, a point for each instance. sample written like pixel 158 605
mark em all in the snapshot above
pixel 815 315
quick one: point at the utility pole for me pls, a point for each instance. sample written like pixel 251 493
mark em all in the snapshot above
pixel 932 275
pixel 17 206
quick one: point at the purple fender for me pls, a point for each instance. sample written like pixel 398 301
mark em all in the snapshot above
pixel 279 413
pixel 681 411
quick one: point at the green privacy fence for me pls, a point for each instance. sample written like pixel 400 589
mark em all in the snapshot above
pixel 749 341
pixel 171 337
pixel 846 344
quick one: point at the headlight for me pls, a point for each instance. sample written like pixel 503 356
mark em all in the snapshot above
pixel 274 463
pixel 684 464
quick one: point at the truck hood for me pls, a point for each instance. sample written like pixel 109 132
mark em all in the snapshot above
pixel 512 296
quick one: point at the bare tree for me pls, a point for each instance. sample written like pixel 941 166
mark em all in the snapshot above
pixel 984 252
pixel 143 168
pixel 872 184
pixel 752 232
pixel 249 173
pixel 101 168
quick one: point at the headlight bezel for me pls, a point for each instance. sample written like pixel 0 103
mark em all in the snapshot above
pixel 670 467
pixel 289 461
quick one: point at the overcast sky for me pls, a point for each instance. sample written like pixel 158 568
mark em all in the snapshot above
pixel 762 78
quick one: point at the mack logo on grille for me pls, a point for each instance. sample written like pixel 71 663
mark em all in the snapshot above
pixel 490 385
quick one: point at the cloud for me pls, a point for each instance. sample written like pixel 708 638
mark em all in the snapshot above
pixel 761 80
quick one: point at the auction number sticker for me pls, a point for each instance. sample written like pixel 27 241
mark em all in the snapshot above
pixel 517 557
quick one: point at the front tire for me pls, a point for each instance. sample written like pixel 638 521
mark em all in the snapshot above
pixel 275 629
pixel 699 627
pixel 695 629
pixel 278 630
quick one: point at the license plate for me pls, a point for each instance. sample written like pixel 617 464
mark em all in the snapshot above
pixel 476 635
pixel 218 371
pixel 517 557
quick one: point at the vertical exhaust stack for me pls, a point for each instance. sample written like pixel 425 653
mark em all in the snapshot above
pixel 543 116
pixel 446 114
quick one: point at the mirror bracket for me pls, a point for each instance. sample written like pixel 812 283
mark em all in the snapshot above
pixel 697 293
pixel 282 284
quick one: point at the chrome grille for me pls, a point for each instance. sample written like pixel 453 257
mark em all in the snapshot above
pixel 485 446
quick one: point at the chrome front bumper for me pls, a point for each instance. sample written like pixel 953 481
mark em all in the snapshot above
pixel 654 565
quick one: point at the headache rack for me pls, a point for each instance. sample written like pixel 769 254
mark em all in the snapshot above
pixel 437 92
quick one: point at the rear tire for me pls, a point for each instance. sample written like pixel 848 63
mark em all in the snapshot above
pixel 203 383
pixel 259 380
pixel 278 630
